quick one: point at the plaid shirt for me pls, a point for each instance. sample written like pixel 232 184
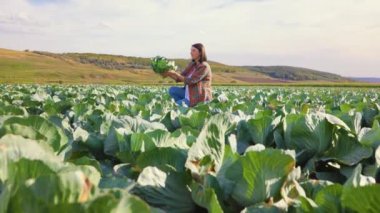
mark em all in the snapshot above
pixel 199 84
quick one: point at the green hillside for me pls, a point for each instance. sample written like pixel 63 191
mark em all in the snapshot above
pixel 281 73
pixel 79 68
pixel 119 62
pixel 46 67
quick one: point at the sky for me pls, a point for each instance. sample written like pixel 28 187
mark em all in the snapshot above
pixel 338 36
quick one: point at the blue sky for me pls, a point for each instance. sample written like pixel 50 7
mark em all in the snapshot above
pixel 339 36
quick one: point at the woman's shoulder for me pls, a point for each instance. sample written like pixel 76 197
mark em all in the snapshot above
pixel 205 64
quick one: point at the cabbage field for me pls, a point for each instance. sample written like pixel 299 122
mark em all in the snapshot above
pixel 132 149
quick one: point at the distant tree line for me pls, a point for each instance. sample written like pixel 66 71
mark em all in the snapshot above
pixel 109 63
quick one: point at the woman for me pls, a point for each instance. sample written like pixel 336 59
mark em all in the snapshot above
pixel 196 77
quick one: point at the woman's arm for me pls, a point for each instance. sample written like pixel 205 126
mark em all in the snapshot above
pixel 174 75
pixel 197 76
pixel 178 77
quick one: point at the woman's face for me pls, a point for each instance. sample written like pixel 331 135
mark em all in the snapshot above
pixel 194 53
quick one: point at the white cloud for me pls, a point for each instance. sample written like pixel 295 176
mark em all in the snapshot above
pixel 339 36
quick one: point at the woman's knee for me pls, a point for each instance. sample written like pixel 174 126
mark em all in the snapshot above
pixel 172 90
pixel 176 91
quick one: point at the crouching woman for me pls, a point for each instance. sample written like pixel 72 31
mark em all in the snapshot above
pixel 196 77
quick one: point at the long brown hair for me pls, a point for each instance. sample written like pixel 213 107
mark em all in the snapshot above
pixel 202 52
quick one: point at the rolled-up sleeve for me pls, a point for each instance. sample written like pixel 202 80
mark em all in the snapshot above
pixel 183 73
pixel 197 76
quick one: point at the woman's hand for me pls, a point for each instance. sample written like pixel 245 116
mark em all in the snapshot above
pixel 165 74
pixel 171 72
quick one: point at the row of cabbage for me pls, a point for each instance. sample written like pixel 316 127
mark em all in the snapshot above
pixel 132 149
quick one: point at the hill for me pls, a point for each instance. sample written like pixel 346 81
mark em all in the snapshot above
pixel 289 73
pixel 83 68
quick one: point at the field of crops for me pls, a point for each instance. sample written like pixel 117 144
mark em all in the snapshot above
pixel 131 149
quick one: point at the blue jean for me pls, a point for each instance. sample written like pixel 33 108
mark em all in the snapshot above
pixel 178 94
